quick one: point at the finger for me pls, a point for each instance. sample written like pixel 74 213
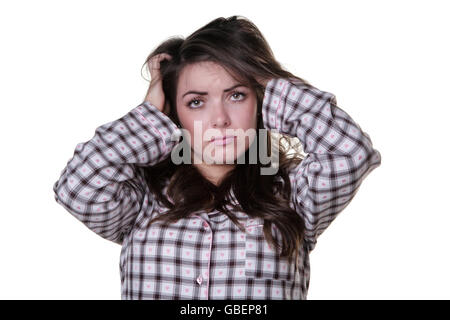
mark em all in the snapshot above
pixel 159 58
pixel 163 56
pixel 155 62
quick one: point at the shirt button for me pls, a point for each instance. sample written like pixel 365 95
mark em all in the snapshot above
pixel 205 225
pixel 199 279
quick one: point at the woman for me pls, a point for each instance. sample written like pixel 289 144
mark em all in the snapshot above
pixel 212 226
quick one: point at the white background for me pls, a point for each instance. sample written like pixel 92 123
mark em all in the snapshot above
pixel 67 67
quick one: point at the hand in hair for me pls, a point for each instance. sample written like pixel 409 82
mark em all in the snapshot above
pixel 263 81
pixel 155 93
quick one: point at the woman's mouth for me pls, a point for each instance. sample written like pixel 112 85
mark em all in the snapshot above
pixel 221 141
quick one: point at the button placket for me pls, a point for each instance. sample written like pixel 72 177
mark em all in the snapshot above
pixel 199 280
pixel 206 227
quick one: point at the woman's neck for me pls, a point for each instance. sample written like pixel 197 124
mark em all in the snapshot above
pixel 214 172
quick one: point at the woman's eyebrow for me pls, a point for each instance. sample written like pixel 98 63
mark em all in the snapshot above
pixel 205 93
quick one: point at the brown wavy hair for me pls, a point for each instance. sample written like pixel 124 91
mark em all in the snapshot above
pixel 238 46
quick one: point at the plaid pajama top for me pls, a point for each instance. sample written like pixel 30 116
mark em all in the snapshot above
pixel 205 256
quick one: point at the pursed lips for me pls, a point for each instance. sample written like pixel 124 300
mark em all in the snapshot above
pixel 222 140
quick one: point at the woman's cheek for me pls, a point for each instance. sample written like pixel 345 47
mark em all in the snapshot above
pixel 196 137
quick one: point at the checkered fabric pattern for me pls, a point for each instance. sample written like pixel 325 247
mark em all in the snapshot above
pixel 205 256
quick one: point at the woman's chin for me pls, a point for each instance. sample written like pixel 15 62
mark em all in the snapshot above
pixel 224 156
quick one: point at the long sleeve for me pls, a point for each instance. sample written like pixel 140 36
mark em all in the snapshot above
pixel 339 154
pixel 103 184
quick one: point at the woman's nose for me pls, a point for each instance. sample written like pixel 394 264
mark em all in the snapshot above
pixel 220 116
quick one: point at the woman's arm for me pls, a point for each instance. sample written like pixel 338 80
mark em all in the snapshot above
pixel 102 185
pixel 339 154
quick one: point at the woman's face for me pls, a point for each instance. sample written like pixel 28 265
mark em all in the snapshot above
pixel 211 103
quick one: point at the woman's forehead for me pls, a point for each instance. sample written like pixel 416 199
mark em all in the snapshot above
pixel 205 74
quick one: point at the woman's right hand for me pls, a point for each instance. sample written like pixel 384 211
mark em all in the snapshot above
pixel 155 93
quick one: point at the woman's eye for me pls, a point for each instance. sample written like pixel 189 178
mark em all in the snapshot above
pixel 192 105
pixel 239 94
